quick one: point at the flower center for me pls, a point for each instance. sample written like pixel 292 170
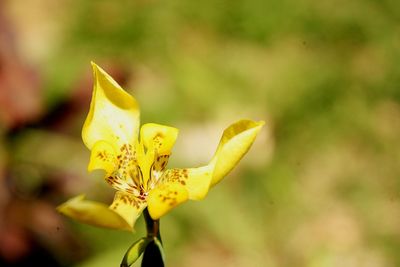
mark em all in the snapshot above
pixel 134 176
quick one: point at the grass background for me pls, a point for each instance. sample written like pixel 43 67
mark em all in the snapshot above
pixel 320 187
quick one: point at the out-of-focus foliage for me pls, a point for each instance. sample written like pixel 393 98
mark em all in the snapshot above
pixel 321 186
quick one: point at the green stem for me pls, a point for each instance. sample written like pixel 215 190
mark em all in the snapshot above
pixel 152 256
pixel 152 226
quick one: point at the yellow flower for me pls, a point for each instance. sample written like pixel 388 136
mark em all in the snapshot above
pixel 134 163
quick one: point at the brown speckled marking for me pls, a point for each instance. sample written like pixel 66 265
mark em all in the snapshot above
pixel 157 169
pixel 101 155
pixel 176 175
pixel 157 140
pixel 105 156
pixel 161 162
pixel 127 199
pixel 127 177
pixel 169 197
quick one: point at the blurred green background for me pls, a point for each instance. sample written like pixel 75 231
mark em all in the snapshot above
pixel 320 187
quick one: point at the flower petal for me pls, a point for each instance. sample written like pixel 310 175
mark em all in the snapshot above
pixel 159 137
pixel 235 142
pixel 121 172
pixel 102 157
pixel 128 207
pixel 158 141
pixel 195 180
pixel 94 213
pixel 165 197
pixel 113 114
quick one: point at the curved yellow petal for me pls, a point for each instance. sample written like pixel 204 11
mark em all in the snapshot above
pixel 165 197
pixel 158 141
pixel 103 156
pixel 128 207
pixel 159 137
pixel 113 114
pixel 195 180
pixel 94 213
pixel 234 144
